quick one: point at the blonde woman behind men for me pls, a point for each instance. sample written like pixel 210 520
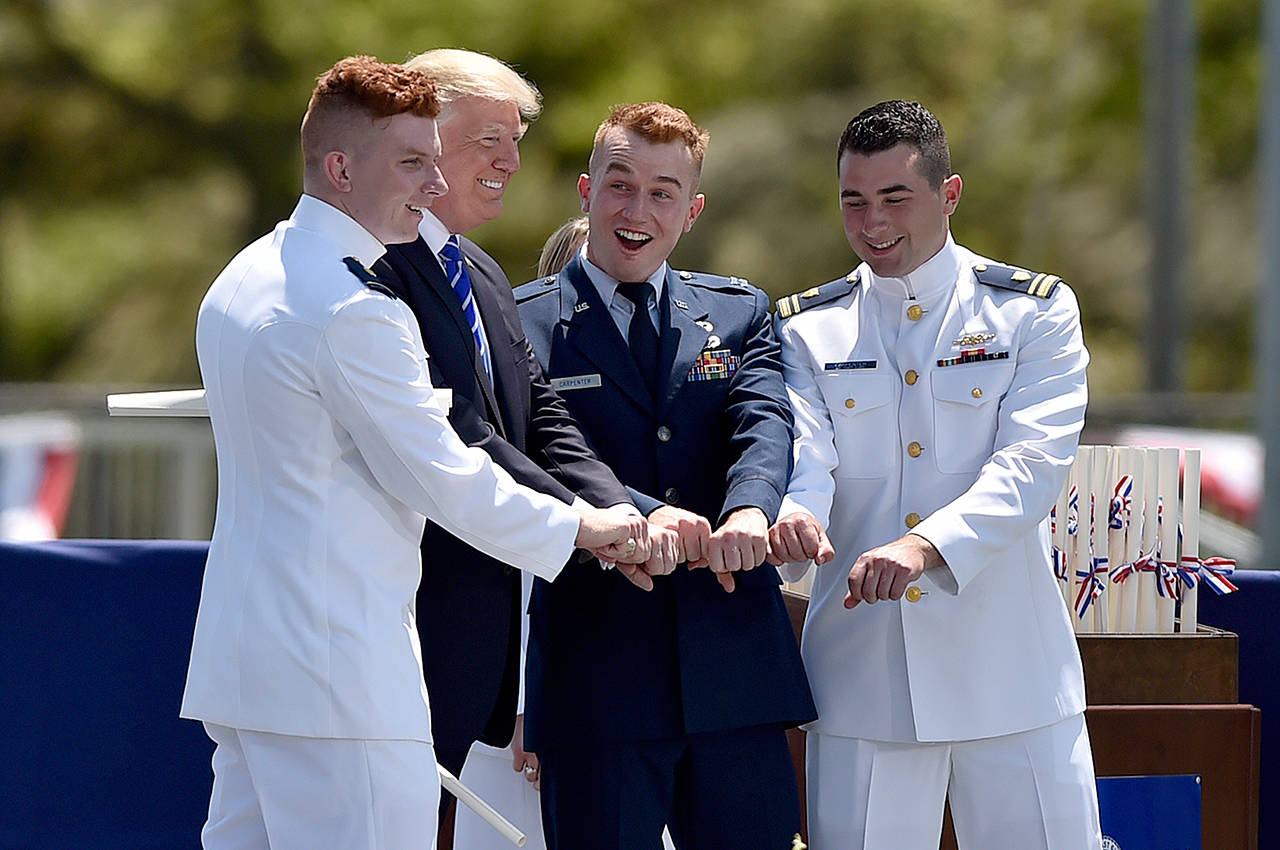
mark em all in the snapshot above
pixel 489 769
pixel 561 245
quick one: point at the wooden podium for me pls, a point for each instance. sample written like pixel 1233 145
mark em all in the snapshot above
pixel 1158 705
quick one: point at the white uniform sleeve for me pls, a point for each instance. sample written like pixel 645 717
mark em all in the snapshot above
pixel 371 370
pixel 1037 430
pixel 812 486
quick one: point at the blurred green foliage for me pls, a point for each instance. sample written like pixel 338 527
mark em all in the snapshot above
pixel 146 141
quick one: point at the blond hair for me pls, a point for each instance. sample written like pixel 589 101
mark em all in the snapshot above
pixel 562 245
pixel 465 73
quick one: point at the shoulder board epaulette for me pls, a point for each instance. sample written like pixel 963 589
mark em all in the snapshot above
pixel 533 288
pixel 368 278
pixel 789 305
pixel 1018 280
pixel 720 283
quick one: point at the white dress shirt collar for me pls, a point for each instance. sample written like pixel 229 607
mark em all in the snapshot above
pixel 932 278
pixel 433 232
pixel 348 235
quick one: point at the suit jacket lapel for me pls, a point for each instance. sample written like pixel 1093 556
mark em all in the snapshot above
pixel 592 333
pixel 682 337
pixel 438 288
pixel 504 369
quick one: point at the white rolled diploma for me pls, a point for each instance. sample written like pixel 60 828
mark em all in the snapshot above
pixel 1147 594
pixel 1132 464
pixel 1061 540
pixel 1116 471
pixel 1167 460
pixel 1190 609
pixel 193 403
pixel 1100 531
pixel 1078 546
pixel 480 807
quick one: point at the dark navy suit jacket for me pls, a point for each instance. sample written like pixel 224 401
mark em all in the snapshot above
pixel 608 662
pixel 468 603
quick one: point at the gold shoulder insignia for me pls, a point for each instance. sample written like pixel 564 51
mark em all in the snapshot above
pixel 1016 279
pixel 789 305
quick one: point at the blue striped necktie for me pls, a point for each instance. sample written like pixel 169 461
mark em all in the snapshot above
pixel 455 269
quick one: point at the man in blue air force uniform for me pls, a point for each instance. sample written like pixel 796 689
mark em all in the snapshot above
pixel 938 397
pixel 669 706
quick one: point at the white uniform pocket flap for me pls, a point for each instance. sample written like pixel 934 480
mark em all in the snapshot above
pixel 852 394
pixel 974 386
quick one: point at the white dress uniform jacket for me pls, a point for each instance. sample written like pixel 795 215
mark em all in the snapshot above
pixel 331 448
pixel 899 422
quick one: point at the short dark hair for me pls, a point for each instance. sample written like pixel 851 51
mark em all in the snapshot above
pixel 900 122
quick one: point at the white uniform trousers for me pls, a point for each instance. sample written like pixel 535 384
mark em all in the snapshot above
pixel 488 772
pixel 1031 791
pixel 292 793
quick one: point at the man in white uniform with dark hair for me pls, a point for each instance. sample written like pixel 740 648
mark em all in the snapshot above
pixel 331 444
pixel 938 398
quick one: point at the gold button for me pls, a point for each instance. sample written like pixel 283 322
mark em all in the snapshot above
pixel 912 376
pixel 914 312
pixel 913 449
pixel 980 267
pixel 913 519
pixel 914 593
pixel 849 403
pixel 977 392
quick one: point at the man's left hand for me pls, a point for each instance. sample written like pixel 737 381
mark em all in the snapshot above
pixel 523 761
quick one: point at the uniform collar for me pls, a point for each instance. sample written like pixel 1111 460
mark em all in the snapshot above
pixel 350 238
pixel 932 278
pixel 607 286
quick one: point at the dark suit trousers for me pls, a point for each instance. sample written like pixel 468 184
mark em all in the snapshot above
pixel 732 790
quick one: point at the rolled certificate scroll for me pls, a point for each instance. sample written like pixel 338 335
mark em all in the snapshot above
pixel 193 403
pixel 480 807
pixel 1189 607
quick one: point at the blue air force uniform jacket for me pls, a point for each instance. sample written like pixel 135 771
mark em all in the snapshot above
pixel 608 662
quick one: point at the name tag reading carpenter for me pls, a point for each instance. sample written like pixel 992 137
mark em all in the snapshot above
pixel 714 365
pixel 577 382
pixel 848 365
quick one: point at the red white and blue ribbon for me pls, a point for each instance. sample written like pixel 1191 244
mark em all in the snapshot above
pixel 1167 579
pixel 1121 503
pixel 1091 585
pixel 1213 572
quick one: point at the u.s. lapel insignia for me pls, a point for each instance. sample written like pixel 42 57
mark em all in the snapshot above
pixel 581 306
pixel 680 304
pixel 973 338
pixel 705 325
